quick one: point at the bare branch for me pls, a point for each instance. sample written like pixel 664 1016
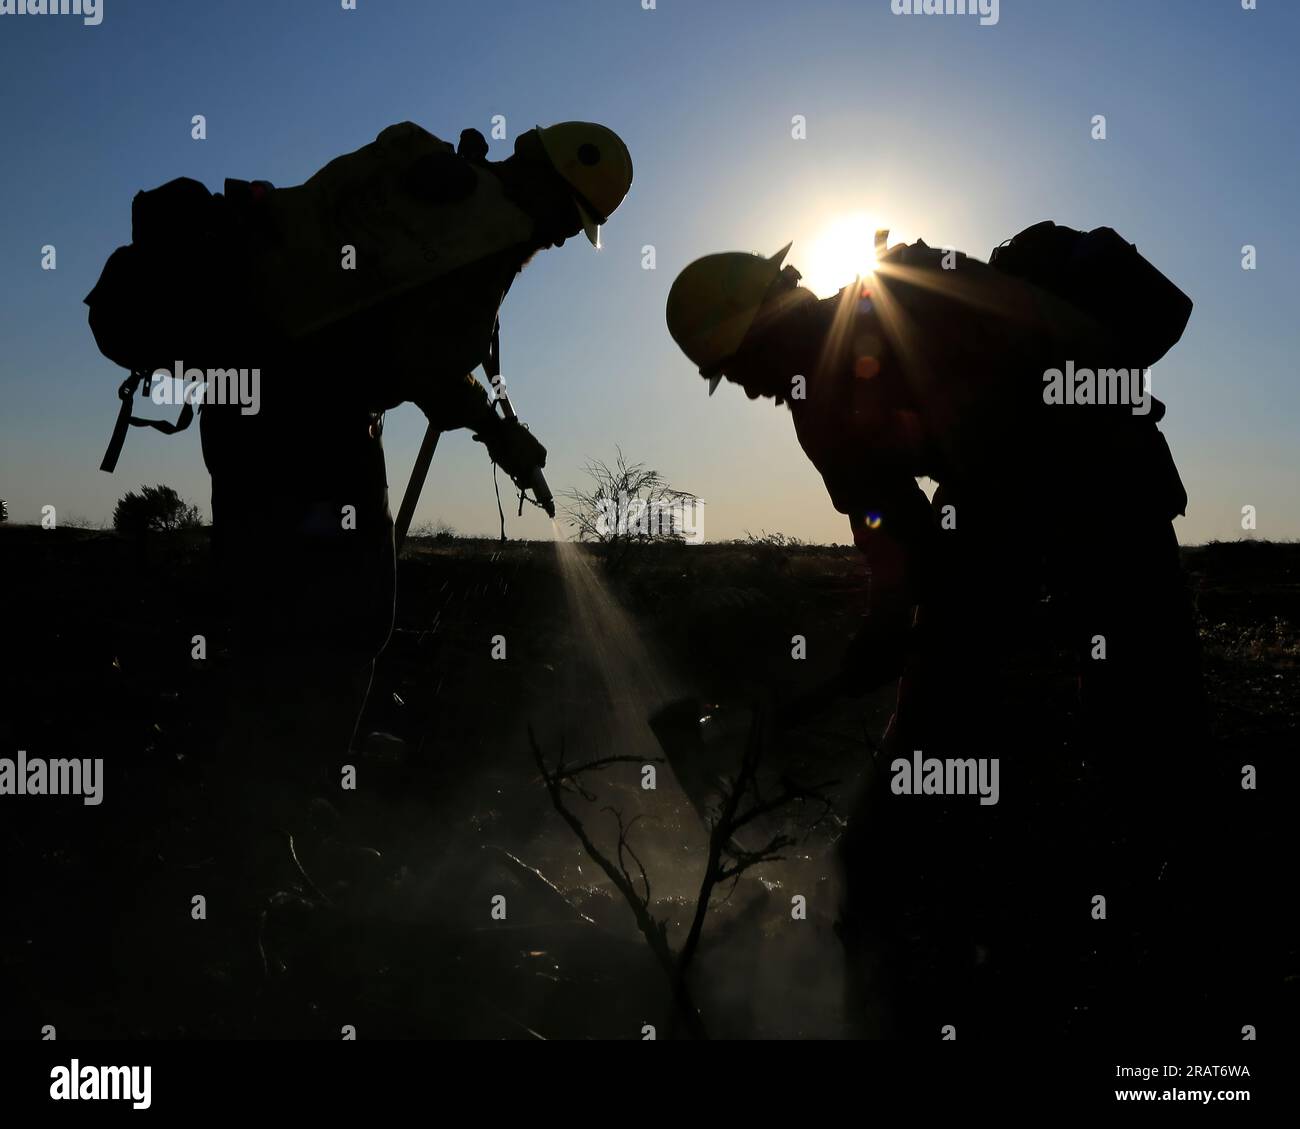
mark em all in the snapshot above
pixel 742 804
pixel 626 502
pixel 654 931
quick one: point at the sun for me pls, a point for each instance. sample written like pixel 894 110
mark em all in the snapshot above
pixel 843 250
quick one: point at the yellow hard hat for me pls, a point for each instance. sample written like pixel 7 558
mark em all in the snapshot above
pixel 595 163
pixel 713 303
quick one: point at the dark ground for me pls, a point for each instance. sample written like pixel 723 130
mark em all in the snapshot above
pixel 96 937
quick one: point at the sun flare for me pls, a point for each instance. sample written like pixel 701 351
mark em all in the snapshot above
pixel 843 250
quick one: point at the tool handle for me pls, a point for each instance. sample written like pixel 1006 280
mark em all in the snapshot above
pixel 418 474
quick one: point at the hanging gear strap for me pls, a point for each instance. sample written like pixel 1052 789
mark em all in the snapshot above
pixel 492 369
pixel 492 366
pixel 125 419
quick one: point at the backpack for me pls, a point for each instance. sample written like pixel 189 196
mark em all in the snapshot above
pixel 206 274
pixel 166 297
pixel 1103 275
pixel 410 208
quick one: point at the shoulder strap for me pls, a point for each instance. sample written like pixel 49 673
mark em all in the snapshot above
pixel 125 419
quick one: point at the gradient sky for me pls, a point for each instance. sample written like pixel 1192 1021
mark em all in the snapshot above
pixel 955 132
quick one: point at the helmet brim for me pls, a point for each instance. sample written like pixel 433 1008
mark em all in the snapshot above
pixel 590 225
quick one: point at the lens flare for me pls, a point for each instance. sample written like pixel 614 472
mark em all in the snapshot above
pixel 843 250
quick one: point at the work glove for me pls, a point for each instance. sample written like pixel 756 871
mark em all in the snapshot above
pixel 513 448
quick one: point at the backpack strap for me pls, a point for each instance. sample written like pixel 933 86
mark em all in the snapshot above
pixel 125 419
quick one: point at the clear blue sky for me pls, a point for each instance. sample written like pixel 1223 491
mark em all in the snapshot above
pixel 955 132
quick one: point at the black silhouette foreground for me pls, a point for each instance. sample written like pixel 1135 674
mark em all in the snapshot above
pixel 97 934
pixel 301 315
pixel 943 367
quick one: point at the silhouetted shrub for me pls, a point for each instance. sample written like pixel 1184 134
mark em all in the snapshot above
pixel 155 509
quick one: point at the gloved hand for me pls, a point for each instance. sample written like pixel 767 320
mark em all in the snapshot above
pixel 513 448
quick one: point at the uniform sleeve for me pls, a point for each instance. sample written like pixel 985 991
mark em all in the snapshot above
pixel 455 402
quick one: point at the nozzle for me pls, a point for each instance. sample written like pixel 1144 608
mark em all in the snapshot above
pixel 537 480
pixel 542 492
